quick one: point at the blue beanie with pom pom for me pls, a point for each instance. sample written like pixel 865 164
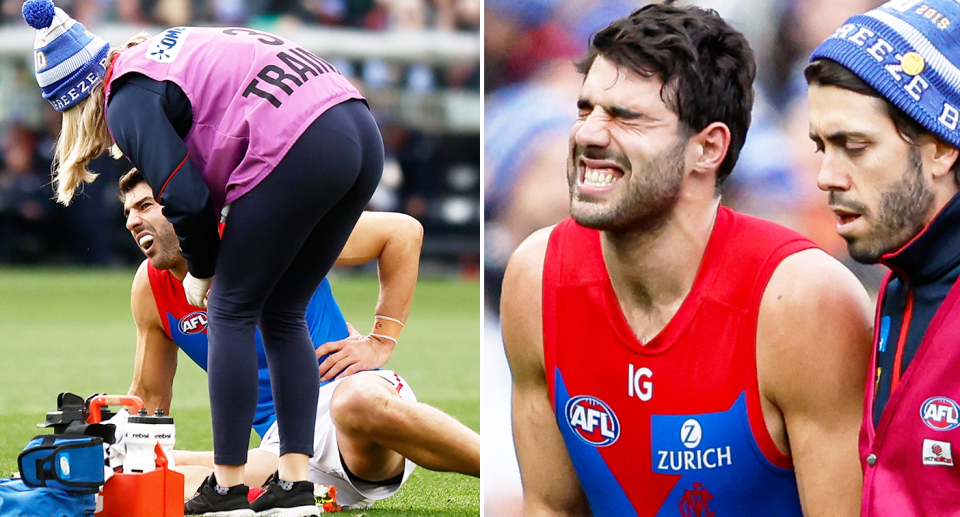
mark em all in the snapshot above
pixel 909 52
pixel 69 61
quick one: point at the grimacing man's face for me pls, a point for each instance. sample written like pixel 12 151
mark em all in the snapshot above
pixel 151 229
pixel 626 163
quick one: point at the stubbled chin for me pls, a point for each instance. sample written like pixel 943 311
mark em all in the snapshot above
pixel 162 262
pixel 585 209
pixel 587 204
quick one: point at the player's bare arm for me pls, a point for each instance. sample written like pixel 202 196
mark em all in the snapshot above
pixel 550 484
pixel 394 239
pixel 813 352
pixel 156 360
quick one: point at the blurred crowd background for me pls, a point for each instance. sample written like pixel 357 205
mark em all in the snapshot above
pixel 530 89
pixel 372 15
pixel 416 61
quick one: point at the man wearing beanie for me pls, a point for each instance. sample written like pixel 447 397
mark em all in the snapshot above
pixel 238 120
pixel 884 107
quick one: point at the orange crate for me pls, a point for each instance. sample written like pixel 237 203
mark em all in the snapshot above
pixel 151 494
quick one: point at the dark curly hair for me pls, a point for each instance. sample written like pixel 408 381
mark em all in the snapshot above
pixel 707 67
pixel 128 182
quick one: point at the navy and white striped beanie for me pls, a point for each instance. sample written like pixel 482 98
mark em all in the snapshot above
pixel 909 51
pixel 69 61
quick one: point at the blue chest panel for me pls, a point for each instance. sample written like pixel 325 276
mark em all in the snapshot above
pixel 721 468
pixel 324 321
pixel 711 460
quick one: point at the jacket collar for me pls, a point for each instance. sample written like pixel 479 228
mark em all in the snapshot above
pixel 933 252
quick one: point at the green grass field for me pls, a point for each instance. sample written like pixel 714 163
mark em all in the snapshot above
pixel 71 330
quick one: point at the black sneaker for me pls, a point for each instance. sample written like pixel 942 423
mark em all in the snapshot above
pixel 214 500
pixel 286 499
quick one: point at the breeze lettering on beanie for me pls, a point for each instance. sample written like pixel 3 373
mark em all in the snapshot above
pixel 909 51
pixel 69 61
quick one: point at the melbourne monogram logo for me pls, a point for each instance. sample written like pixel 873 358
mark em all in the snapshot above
pixel 696 502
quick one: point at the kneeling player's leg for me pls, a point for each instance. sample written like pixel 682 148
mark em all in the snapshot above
pixel 376 429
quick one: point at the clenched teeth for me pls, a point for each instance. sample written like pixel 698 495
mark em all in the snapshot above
pixel 597 178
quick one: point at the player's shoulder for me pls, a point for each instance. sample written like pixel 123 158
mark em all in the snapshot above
pixel 813 280
pixel 142 300
pixel 523 279
pixel 141 280
pixel 814 334
pixel 813 303
pixel 521 306
pixel 527 260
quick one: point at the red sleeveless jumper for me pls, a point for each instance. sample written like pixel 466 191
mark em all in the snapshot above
pixel 674 426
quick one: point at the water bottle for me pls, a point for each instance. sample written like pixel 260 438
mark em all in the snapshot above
pixel 142 434
pixel 166 434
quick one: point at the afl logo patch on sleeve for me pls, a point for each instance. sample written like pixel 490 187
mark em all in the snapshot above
pixel 940 413
pixel 165 47
pixel 592 420
pixel 193 323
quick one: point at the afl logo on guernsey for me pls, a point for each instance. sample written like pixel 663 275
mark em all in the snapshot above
pixel 940 413
pixel 592 420
pixel 193 323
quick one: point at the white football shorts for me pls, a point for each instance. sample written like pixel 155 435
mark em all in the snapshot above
pixel 325 466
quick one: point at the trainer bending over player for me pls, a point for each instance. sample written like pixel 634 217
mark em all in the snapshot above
pixel 369 428
pixel 216 117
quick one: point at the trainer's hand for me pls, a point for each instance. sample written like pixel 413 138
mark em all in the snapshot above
pixel 196 290
pixel 354 354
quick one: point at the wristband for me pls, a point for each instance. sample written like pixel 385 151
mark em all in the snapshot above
pixel 388 318
pixel 384 326
pixel 384 337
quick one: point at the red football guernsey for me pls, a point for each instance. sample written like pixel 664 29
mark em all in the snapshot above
pixel 673 426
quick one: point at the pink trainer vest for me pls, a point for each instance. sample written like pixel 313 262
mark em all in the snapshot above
pixel 911 461
pixel 253 94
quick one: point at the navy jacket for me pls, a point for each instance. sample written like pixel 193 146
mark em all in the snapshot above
pixel 148 120
pixel 924 270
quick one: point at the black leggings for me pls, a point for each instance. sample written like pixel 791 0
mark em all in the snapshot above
pixel 281 239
